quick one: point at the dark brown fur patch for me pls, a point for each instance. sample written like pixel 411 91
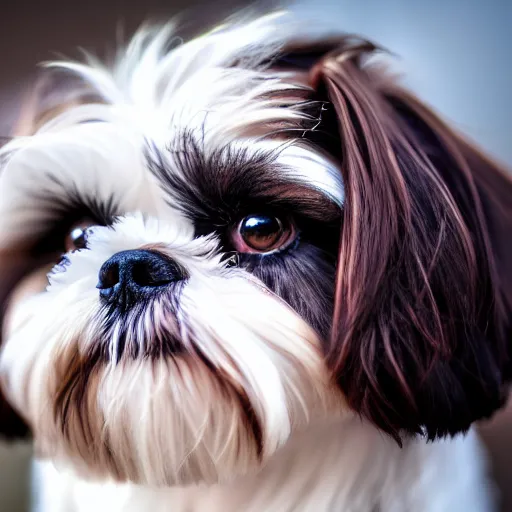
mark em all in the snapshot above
pixel 423 305
pixel 11 425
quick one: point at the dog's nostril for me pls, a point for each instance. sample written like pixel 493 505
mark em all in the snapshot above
pixel 128 274
pixel 109 276
pixel 142 275
pixel 155 272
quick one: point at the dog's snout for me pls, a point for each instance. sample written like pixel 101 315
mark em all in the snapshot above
pixel 128 275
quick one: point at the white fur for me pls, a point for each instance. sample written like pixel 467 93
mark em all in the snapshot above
pixel 343 466
pixel 174 427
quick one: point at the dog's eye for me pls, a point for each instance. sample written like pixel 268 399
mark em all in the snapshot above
pixel 261 233
pixel 77 236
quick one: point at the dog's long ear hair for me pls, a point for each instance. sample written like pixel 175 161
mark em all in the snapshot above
pixel 51 94
pixel 421 338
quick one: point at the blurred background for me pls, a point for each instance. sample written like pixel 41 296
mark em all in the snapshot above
pixel 455 54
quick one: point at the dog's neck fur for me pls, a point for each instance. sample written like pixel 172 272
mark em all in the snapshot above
pixel 348 467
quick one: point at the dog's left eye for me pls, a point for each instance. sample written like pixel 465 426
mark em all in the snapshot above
pixel 77 236
pixel 262 233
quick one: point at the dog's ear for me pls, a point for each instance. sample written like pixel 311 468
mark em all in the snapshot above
pixel 11 425
pixel 52 93
pixel 422 332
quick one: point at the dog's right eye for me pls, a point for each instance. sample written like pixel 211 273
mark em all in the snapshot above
pixel 263 234
pixel 76 238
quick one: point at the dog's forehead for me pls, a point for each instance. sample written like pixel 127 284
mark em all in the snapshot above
pixel 173 123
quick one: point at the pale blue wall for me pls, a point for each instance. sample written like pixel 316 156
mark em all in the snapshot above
pixel 456 54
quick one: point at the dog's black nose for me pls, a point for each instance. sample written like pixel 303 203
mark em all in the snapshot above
pixel 130 275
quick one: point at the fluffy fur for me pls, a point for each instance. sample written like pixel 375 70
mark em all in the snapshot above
pixel 308 377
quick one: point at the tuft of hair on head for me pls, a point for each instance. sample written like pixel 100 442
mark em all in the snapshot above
pixel 420 341
pixel 53 92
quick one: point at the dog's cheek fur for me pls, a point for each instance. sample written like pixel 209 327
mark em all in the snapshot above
pixel 421 332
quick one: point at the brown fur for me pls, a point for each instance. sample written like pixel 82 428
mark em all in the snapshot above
pixel 422 322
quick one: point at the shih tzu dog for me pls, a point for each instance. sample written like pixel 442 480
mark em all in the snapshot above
pixel 250 272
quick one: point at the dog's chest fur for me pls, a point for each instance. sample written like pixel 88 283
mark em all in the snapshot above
pixel 321 471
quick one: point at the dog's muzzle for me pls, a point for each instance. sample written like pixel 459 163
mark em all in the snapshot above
pixel 130 276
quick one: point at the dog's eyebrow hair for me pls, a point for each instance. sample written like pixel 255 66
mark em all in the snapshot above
pixel 103 209
pixel 230 179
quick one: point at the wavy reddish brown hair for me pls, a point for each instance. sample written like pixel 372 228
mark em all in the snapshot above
pixel 421 336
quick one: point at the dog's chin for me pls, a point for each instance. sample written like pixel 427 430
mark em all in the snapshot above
pixel 204 390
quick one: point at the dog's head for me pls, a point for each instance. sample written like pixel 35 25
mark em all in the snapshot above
pixel 250 224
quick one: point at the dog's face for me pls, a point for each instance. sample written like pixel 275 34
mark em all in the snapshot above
pixel 247 231
pixel 178 339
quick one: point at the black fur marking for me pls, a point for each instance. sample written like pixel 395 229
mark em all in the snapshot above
pixel 228 183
